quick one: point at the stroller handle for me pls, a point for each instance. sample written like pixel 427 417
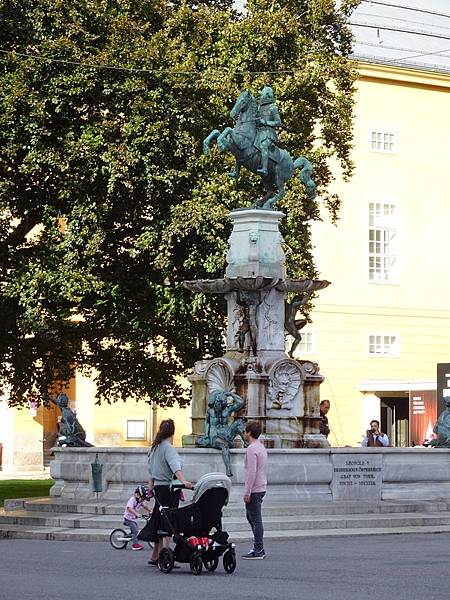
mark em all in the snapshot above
pixel 176 484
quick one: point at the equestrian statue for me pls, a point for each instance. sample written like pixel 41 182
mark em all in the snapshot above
pixel 254 143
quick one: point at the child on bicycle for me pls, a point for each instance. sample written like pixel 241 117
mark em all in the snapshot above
pixel 131 514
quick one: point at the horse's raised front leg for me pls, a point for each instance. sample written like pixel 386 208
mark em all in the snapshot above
pixel 215 133
pixel 224 142
pixel 223 139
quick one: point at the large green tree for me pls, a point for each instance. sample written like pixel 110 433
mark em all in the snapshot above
pixel 106 203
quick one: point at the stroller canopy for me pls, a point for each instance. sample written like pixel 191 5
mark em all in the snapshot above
pixel 211 481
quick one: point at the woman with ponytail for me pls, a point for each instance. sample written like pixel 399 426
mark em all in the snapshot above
pixel 164 465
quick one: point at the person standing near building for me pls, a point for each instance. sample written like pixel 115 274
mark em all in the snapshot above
pixel 374 437
pixel 323 423
pixel 255 487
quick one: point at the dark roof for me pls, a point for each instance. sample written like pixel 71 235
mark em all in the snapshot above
pixel 408 33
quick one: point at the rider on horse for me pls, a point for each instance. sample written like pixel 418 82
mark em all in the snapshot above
pixel 253 140
pixel 268 120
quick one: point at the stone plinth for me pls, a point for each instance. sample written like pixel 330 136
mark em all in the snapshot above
pixel 255 245
pixel 293 475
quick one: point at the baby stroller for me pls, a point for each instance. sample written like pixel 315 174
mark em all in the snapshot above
pixel 197 529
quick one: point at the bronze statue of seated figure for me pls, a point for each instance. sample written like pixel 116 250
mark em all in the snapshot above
pixel 442 427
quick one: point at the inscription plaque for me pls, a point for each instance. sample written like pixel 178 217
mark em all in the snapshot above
pixel 356 477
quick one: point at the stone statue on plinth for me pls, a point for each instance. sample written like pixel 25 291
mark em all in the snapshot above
pixel 442 427
pixel 253 141
pixel 220 427
pixel 256 377
pixel 71 433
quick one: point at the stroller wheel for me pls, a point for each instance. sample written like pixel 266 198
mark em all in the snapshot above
pixel 211 564
pixel 119 539
pixel 196 563
pixel 166 560
pixel 229 561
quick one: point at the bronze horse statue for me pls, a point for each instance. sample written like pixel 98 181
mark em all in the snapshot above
pixel 240 141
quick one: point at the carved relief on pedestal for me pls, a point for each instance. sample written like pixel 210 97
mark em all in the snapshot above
pixel 253 247
pixel 200 367
pixel 219 376
pixel 284 390
pixel 310 367
pixel 231 258
pixel 270 321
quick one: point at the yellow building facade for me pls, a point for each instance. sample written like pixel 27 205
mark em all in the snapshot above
pixel 380 329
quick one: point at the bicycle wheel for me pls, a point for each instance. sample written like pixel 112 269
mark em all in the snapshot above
pixel 119 539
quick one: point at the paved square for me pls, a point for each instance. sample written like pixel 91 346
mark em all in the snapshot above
pixel 404 567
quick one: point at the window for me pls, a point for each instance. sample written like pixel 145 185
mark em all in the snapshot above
pixel 382 141
pixel 136 429
pixel 307 344
pixel 383 226
pixel 382 344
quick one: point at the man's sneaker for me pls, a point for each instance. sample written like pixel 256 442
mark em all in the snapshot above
pixel 137 547
pixel 254 555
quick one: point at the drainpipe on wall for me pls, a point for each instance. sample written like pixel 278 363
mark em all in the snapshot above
pixel 153 420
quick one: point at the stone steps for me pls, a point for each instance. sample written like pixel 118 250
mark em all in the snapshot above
pixel 295 509
pixel 57 519
pixel 238 523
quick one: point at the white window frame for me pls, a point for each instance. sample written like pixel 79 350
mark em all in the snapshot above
pixel 383 141
pixel 136 429
pixel 388 349
pixel 308 339
pixel 383 243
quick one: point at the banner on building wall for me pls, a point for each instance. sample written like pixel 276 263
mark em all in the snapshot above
pixel 422 416
pixel 443 384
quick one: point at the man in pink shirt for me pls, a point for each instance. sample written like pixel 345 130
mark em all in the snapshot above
pixel 255 487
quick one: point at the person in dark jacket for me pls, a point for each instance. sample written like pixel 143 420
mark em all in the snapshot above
pixel 323 423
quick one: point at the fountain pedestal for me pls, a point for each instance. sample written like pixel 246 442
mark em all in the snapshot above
pixel 279 391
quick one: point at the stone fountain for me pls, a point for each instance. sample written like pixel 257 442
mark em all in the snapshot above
pixel 279 391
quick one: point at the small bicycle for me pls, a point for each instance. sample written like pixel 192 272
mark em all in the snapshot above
pixel 119 538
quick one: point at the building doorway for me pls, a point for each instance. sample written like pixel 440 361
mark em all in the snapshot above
pixel 408 410
pixel 395 419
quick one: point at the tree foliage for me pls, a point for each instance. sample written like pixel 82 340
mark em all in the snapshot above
pixel 106 203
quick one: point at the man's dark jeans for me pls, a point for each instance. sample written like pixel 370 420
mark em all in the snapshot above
pixel 254 518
